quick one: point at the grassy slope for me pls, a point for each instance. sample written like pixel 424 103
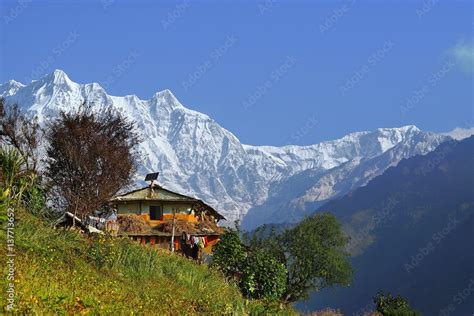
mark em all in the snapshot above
pixel 61 271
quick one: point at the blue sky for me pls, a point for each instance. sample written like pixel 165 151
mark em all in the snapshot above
pixel 272 72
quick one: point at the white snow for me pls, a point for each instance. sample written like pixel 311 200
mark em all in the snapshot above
pixel 460 133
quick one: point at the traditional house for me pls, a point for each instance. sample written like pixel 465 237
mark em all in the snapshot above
pixel 159 217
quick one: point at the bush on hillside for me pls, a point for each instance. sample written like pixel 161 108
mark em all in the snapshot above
pixel 229 255
pixel 258 274
pixel 388 305
pixel 20 186
pixel 263 276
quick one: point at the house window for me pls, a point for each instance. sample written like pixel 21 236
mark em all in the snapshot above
pixel 156 213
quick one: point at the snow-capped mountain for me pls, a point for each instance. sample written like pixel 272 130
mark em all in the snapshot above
pixel 301 194
pixel 197 156
pixel 460 133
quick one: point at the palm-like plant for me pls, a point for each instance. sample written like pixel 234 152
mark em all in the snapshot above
pixel 20 185
pixel 14 178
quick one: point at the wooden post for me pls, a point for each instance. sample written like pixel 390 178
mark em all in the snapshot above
pixel 172 230
pixel 74 217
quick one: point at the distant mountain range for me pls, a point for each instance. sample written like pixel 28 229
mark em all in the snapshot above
pixel 196 156
pixel 412 232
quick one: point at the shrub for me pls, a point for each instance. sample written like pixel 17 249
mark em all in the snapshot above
pixel 13 177
pixel 388 305
pixel 263 276
pixel 35 200
pixel 258 273
pixel 229 254
pixel 20 186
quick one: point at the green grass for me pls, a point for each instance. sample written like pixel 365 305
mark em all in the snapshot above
pixel 61 271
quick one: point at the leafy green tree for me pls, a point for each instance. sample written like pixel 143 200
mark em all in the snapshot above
pixel 315 256
pixel 388 305
pixel 311 255
pixel 268 238
pixel 312 252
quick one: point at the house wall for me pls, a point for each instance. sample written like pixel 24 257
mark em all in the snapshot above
pixel 144 207
pixel 164 242
pixel 129 208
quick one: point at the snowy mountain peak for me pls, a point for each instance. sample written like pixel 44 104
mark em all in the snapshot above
pixel 167 97
pixel 15 84
pixel 198 157
pixel 460 133
pixel 167 94
pixel 10 87
pixel 59 77
pixel 406 128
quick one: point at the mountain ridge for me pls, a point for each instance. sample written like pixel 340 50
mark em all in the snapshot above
pixel 197 156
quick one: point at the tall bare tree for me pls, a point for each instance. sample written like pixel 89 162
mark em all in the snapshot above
pixel 90 157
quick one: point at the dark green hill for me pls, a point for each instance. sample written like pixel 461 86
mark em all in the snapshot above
pixel 412 232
